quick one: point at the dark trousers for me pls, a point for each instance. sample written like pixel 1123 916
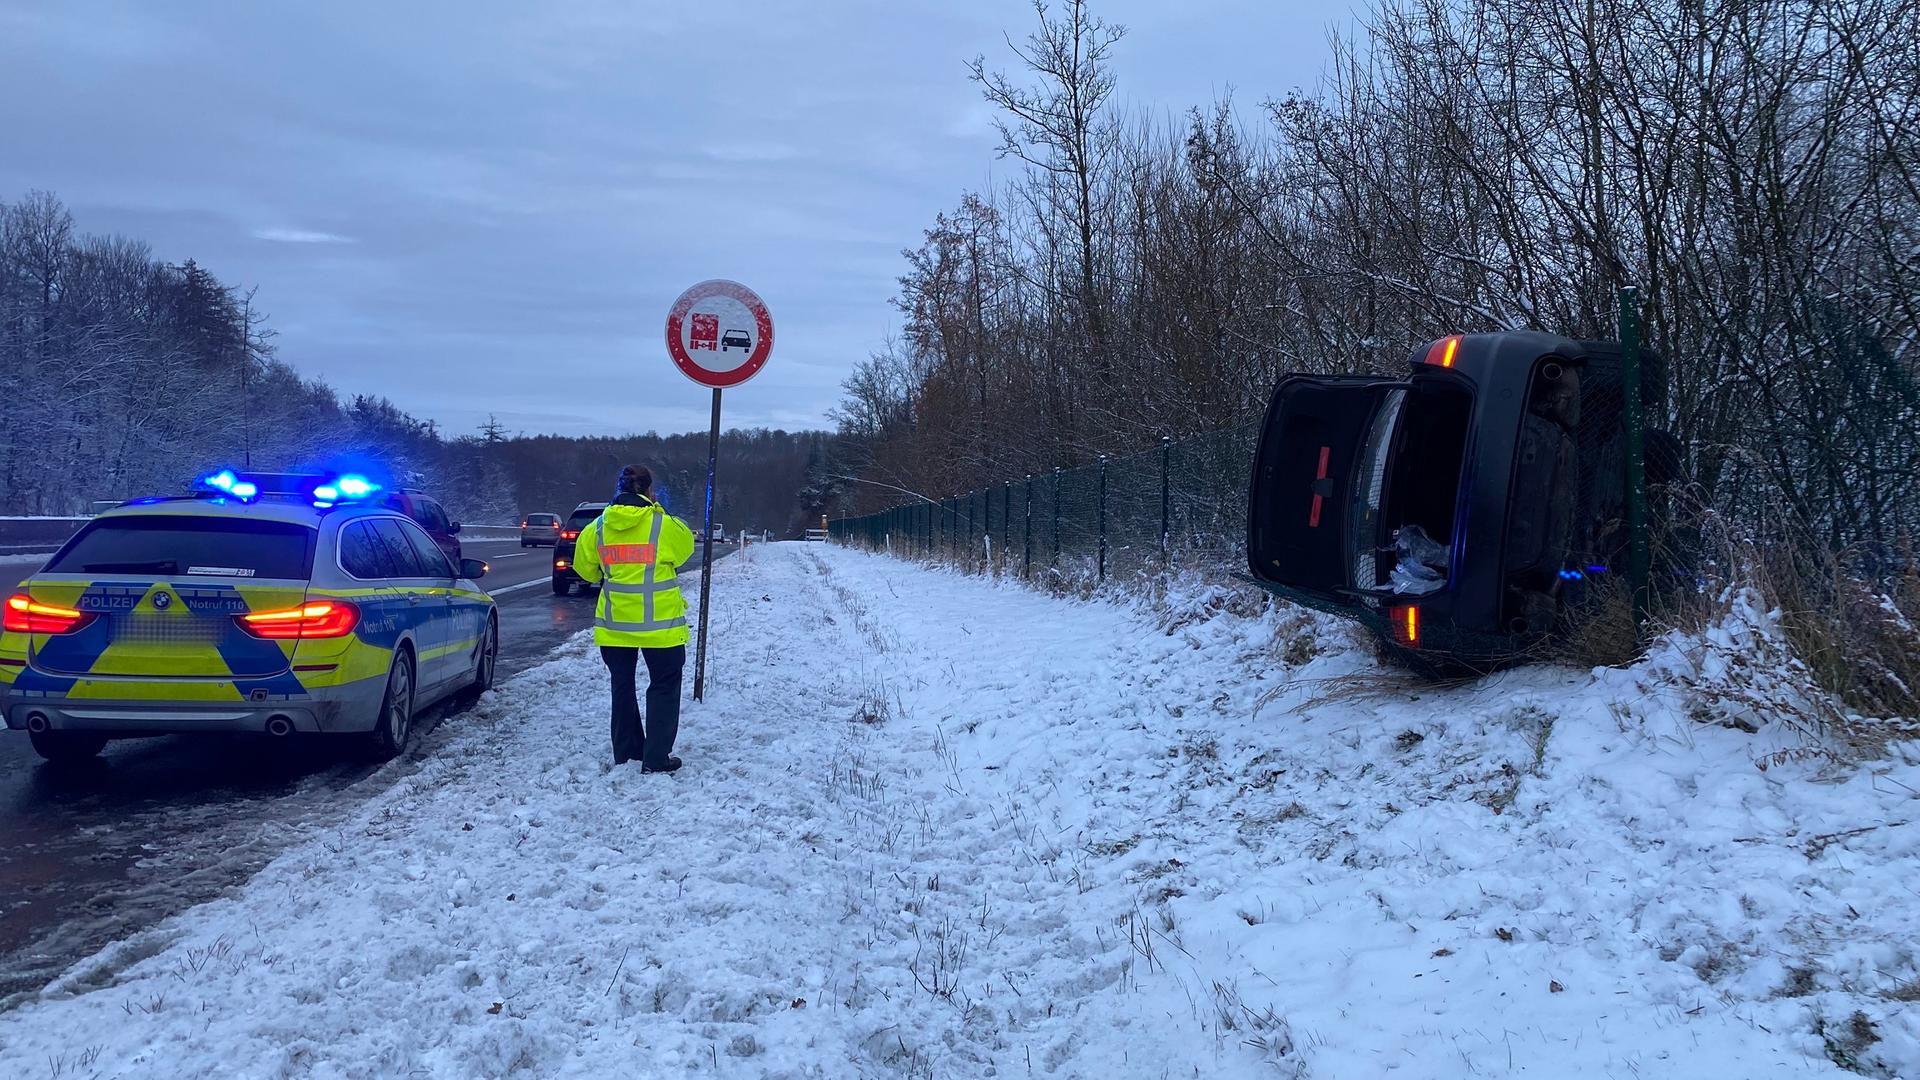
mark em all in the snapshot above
pixel 650 744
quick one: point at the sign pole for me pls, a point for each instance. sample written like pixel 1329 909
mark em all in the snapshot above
pixel 705 325
pixel 706 554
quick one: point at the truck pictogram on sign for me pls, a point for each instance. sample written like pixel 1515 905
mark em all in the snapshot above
pixel 705 333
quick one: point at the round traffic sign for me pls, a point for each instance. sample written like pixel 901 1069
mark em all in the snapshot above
pixel 719 333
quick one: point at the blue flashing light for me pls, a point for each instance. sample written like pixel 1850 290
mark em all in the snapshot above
pixel 222 480
pixel 355 487
pixel 1571 575
pixel 1596 569
pixel 327 493
pixel 244 489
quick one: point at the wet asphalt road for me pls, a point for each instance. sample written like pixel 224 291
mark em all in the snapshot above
pixel 90 855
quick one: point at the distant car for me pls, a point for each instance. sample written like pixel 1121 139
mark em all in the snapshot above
pixel 735 339
pixel 564 579
pixel 537 530
pixel 431 516
pixel 1458 511
pixel 260 603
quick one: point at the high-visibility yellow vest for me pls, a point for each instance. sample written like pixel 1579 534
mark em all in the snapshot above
pixel 631 552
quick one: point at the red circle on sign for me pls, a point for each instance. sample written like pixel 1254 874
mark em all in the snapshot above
pixel 763 334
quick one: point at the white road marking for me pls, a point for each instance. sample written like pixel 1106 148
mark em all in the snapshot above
pixel 522 585
pixel 514 555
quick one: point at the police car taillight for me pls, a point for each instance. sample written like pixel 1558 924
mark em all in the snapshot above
pixel 25 615
pixel 319 619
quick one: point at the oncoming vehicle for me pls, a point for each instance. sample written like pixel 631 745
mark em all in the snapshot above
pixel 538 530
pixel 1460 511
pixel 564 579
pixel 266 603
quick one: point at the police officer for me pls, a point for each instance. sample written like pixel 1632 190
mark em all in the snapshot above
pixel 632 550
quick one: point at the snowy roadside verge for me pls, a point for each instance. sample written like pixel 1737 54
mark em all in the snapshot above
pixel 933 826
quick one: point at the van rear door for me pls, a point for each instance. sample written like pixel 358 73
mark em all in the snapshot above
pixel 1303 479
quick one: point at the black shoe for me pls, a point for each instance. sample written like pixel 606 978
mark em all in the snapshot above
pixel 672 765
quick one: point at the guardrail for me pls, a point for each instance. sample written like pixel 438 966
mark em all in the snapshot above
pixel 32 535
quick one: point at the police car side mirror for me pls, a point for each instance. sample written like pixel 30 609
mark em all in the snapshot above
pixel 472 569
pixel 453 528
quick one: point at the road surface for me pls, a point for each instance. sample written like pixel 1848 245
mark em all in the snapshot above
pixel 90 855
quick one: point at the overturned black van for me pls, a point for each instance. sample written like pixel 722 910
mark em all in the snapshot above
pixel 1458 511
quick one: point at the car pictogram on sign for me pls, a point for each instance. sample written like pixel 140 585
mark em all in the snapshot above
pixel 735 339
pixel 706 331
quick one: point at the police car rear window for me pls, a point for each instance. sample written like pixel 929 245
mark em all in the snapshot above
pixel 169 546
pixel 582 518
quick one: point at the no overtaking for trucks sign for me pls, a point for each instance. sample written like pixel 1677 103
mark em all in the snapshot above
pixel 719 335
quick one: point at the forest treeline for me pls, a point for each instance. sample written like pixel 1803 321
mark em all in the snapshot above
pixel 1753 166
pixel 122 375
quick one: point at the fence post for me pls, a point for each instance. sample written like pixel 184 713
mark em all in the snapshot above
pixel 1166 493
pixel 1103 517
pixel 1639 568
pixel 1056 518
pixel 1026 569
pixel 969 548
pixel 1006 517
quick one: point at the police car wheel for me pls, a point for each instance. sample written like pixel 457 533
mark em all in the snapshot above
pixel 64 746
pixel 395 726
pixel 560 586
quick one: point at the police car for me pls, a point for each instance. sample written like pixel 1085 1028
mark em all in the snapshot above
pixel 259 603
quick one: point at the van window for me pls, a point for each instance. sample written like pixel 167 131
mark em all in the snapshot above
pixel 173 544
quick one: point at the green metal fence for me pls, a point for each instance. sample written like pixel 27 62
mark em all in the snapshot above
pixel 1183 502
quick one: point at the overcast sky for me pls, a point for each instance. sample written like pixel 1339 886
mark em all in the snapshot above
pixel 487 207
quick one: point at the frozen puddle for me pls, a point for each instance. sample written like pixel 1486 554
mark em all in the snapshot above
pixel 932 826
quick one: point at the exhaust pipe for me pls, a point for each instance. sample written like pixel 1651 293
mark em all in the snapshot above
pixel 37 723
pixel 279 727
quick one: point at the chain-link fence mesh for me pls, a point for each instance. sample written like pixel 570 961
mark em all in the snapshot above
pixel 1182 503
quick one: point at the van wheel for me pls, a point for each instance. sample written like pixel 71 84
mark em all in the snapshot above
pixel 560 586
pixel 395 726
pixel 63 747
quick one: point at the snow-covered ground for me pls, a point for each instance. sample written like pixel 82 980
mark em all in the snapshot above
pixel 935 826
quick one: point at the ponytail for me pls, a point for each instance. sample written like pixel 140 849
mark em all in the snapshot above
pixel 635 480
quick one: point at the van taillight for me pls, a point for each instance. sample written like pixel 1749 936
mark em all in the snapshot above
pixel 319 619
pixel 25 615
pixel 1405 624
pixel 1442 353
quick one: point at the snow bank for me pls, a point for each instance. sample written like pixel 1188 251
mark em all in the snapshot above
pixel 936 827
